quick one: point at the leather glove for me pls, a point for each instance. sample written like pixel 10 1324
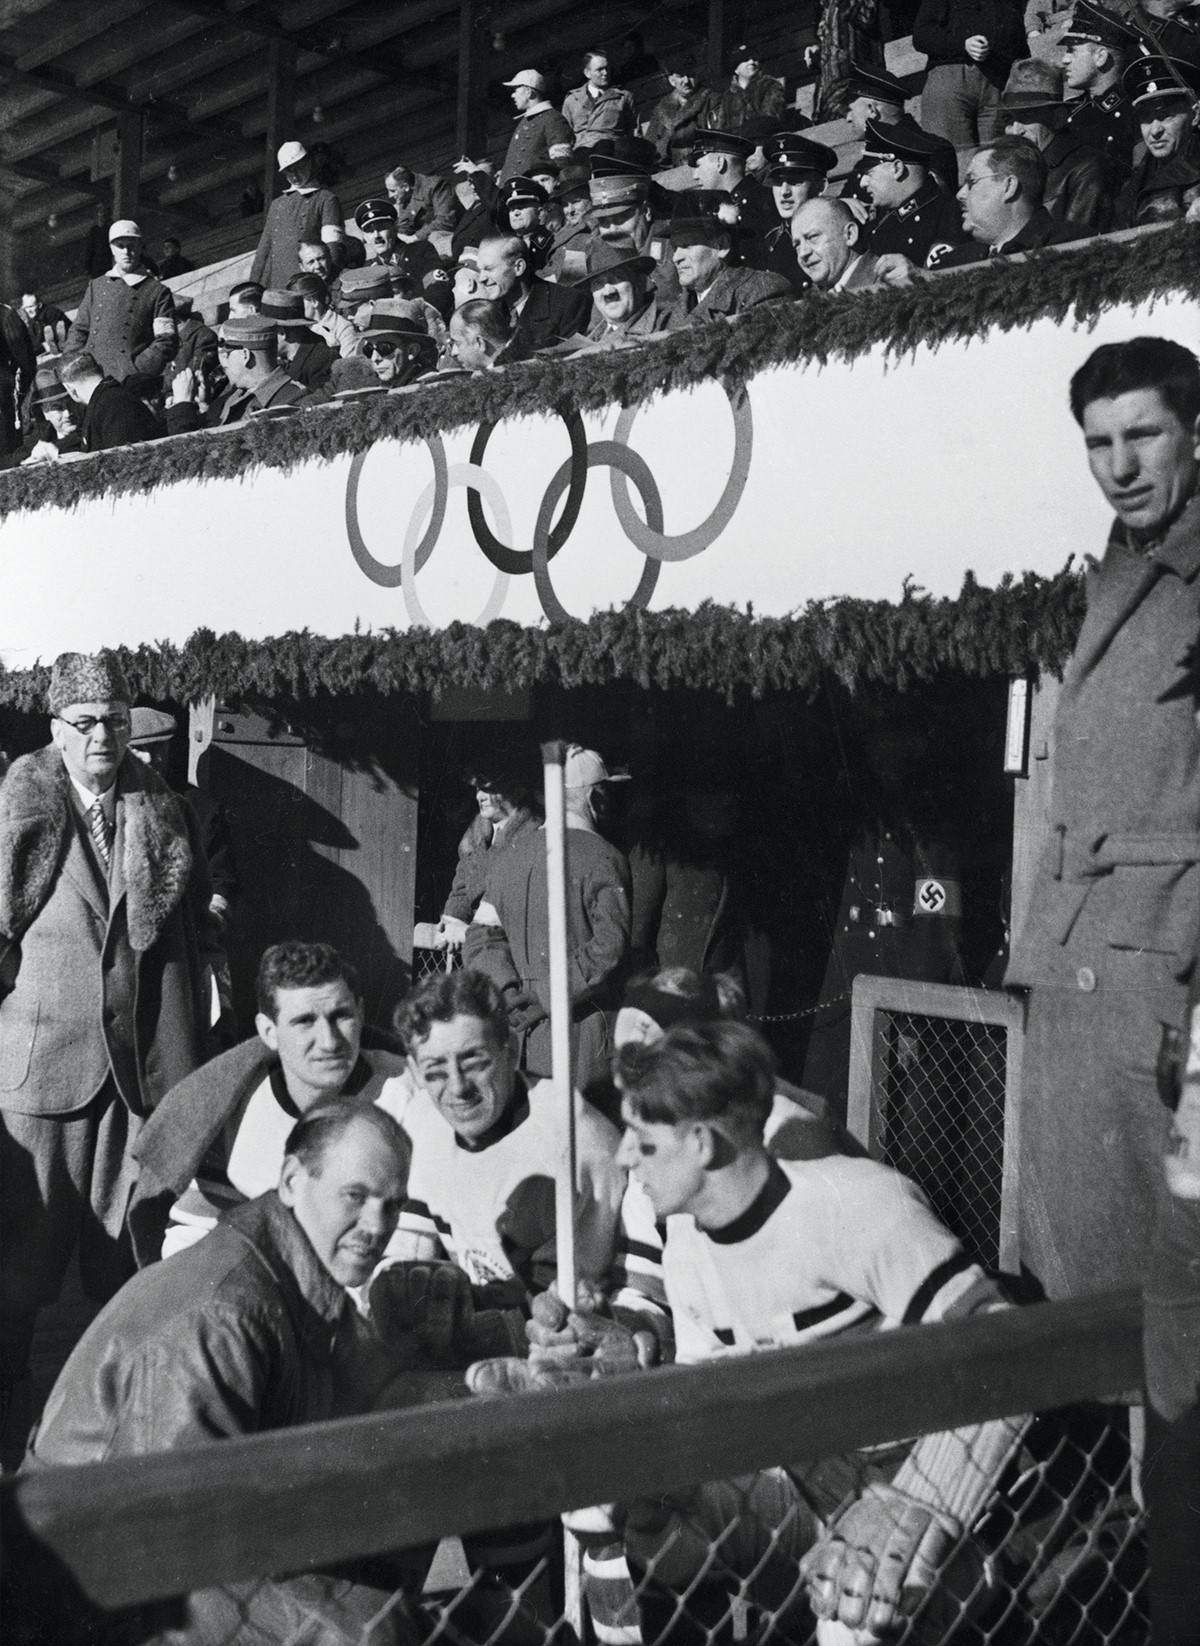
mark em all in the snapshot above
pixel 586 1337
pixel 877 1560
pixel 566 1348
pixel 426 1310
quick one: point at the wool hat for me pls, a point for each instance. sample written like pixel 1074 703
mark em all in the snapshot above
pixel 248 331
pixel 150 726
pixel 290 154
pixel 125 229
pixel 81 677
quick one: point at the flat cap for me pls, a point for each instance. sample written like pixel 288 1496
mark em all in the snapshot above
pixel 363 285
pixel 150 726
pixel 285 308
pixel 377 210
pixel 248 331
pixel 527 77
pixel 290 154
pixel 83 677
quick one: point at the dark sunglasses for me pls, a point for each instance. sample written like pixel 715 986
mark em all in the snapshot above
pixel 380 351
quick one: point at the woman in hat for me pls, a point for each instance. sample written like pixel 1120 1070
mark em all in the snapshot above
pixel 507 808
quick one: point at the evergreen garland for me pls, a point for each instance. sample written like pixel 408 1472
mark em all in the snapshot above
pixel 1023 626
pixel 964 304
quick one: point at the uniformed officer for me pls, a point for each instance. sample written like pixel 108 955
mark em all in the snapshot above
pixel 624 202
pixel 913 215
pixel 1174 31
pixel 880 97
pixel 1163 92
pixel 377 221
pixel 719 163
pixel 797 170
pixel 517 209
pixel 1095 50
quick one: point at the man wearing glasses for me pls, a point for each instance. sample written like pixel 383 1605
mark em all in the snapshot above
pixel 104 894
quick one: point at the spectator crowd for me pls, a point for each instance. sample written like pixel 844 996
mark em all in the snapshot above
pixel 597 231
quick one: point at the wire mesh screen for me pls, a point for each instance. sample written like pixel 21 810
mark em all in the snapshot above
pixel 1056 1555
pixel 941 1094
pixel 429 962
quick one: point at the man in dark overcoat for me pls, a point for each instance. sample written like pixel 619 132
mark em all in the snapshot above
pixel 1109 942
pixel 104 898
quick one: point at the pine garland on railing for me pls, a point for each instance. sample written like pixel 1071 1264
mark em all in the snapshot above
pixel 1023 626
pixel 998 295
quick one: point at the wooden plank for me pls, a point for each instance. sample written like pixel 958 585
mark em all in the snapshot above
pixel 100 94
pixel 281 109
pixel 127 178
pixel 471 123
pixel 139 1528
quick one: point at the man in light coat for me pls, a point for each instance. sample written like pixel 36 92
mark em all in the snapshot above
pixel 104 896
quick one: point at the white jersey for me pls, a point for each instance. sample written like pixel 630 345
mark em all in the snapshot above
pixel 491 1209
pixel 828 1246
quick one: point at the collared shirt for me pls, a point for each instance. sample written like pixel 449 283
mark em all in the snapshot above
pixel 534 108
pixel 108 800
pixel 840 283
pixel 134 278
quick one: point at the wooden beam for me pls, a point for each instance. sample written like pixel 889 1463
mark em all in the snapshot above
pixel 718 72
pixel 474 42
pixel 102 95
pixel 141 1528
pixel 281 108
pixel 318 42
pixel 127 178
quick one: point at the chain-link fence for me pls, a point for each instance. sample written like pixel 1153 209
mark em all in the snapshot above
pixel 995 1534
pixel 934 1092
pixel 430 962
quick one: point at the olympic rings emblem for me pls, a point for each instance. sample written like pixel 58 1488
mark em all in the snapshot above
pixel 550 536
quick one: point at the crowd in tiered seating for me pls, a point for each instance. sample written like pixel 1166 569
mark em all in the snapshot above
pixel 598 230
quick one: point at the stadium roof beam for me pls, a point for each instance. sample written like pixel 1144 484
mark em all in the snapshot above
pixel 103 95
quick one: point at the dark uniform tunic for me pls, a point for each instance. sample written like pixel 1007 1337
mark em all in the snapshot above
pixel 1106 123
pixel 1081 185
pixel 927 222
pixel 1177 37
pixel 779 256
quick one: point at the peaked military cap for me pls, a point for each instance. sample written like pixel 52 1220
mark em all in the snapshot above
pixel 1152 79
pixel 248 331
pixel 878 85
pixel 707 141
pixel 373 212
pixel 523 191
pixel 791 155
pixel 900 141
pixel 1092 23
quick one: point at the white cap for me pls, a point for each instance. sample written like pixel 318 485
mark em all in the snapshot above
pixel 290 154
pixel 583 768
pixel 527 77
pixel 125 229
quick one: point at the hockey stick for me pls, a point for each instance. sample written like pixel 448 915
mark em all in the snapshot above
pixel 553 760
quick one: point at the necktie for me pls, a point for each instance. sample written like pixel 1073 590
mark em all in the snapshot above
pixel 102 832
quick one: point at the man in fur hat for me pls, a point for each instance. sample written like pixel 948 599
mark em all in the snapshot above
pixel 104 895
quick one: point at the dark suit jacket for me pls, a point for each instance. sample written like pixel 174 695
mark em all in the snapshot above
pixel 115 417
pixel 1041 230
pixel 735 290
pixel 550 315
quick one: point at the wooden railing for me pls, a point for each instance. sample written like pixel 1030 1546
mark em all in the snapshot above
pixel 137 1529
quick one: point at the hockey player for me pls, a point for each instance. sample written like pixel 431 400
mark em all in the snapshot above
pixel 761 1253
